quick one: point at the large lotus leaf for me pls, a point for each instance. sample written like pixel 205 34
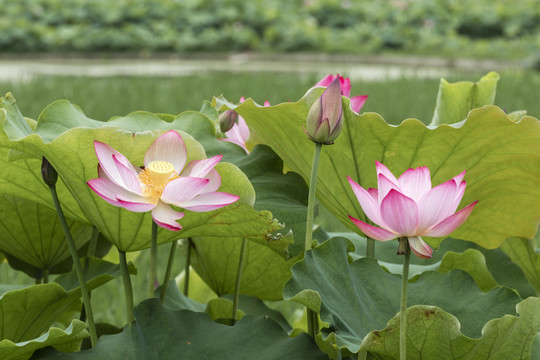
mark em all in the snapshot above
pixel 68 340
pixel 435 334
pixel 32 233
pixel 471 261
pixel 216 261
pixel 35 308
pixel 524 253
pixel 32 188
pixel 164 334
pixel 65 136
pixel 502 159
pixel 285 195
pixel 326 282
pixel 455 100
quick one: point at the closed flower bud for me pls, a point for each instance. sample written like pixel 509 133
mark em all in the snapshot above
pixel 48 172
pixel 324 120
pixel 227 120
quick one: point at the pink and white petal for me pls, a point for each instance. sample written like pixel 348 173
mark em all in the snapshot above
pixel 128 176
pixel 384 187
pixel 436 205
pixel 106 189
pixel 415 182
pixel 243 128
pixel 326 80
pixel 200 168
pixel 420 248
pixel 183 189
pixel 381 169
pixel 266 103
pixel 345 84
pixel 373 232
pixel 374 193
pixel 236 142
pixel 451 223
pixel 166 217
pixel 135 203
pixel 215 181
pixel 209 201
pixel 168 147
pixel 399 213
pixel 357 102
pixel 459 178
pixel 105 154
pixel 369 205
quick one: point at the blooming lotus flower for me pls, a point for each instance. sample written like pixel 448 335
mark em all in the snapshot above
pixel 409 207
pixel 239 133
pixel 356 102
pixel 325 120
pixel 164 181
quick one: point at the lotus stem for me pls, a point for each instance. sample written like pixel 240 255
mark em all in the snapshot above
pixel 153 261
pixel 238 279
pixel 403 308
pixel 128 289
pixel 311 319
pixel 78 267
pixel 46 276
pixel 370 248
pixel 93 242
pixel 165 284
pixel 188 264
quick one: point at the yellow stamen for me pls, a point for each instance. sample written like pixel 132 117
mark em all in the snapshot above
pixel 155 177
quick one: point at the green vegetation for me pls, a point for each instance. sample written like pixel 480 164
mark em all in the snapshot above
pixel 484 28
pixel 408 97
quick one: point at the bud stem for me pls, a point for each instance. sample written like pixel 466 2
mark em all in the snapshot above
pixel 312 319
pixel 403 308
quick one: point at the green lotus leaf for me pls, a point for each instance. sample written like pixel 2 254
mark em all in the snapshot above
pixel 31 232
pixel 65 136
pixel 220 310
pixel 455 100
pixel 265 272
pixel 471 261
pixel 524 253
pixel 164 334
pixel 68 340
pixel 434 334
pixel 326 282
pixel 175 300
pixel 502 159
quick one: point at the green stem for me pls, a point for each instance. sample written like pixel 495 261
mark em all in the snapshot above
pixel 78 267
pixel 128 289
pixel 168 271
pixel 92 245
pixel 153 261
pixel 46 276
pixel 403 308
pixel 188 264
pixel 238 279
pixel 309 223
pixel 370 248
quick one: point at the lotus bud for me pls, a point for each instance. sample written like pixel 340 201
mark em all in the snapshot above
pixel 324 120
pixel 48 172
pixel 227 120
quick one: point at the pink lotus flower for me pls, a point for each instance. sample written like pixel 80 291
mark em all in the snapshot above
pixel 163 182
pixel 356 102
pixel 408 206
pixel 325 117
pixel 239 133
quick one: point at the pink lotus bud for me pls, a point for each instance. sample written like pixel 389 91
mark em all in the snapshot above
pixel 227 120
pixel 324 120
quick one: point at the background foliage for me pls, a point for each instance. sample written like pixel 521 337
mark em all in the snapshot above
pixel 500 29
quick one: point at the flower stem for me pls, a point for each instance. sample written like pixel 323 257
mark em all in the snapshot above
pixel 153 261
pixel 238 279
pixel 46 276
pixel 370 248
pixel 77 265
pixel 93 242
pixel 128 289
pixel 167 277
pixel 188 264
pixel 309 225
pixel 403 308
